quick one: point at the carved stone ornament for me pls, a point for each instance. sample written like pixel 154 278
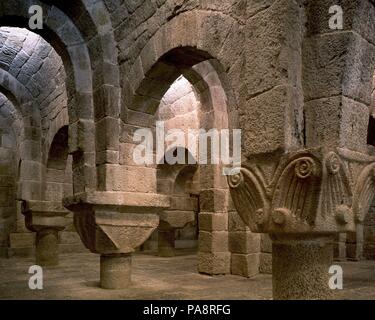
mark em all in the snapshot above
pixel 115 222
pixel 305 192
pixel 44 215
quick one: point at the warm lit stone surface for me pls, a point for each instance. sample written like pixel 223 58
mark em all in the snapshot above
pixel 302 94
pixel 158 278
pixel 299 268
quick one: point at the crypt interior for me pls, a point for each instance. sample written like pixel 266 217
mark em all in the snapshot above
pixel 73 200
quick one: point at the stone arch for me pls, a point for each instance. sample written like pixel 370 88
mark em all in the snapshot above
pixel 10 130
pixel 10 117
pixel 7 181
pixel 371 125
pixel 184 177
pixel 71 49
pixel 201 72
pixel 103 52
pixel 194 53
pixel 93 21
pixel 168 175
pixel 58 183
pixel 25 180
pixel 191 30
pixel 180 220
pixel 76 61
pixel 61 121
pixel 17 94
pixel 58 151
pixel 37 67
pixel 164 58
pixel 360 244
pixel 86 53
pixel 29 155
pixel 9 126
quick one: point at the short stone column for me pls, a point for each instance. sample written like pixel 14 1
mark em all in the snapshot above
pixel 300 267
pixel 354 244
pixel 47 249
pixel 312 197
pixel 170 221
pixel 339 247
pixel 113 225
pixel 166 242
pixel 115 271
pixel 46 218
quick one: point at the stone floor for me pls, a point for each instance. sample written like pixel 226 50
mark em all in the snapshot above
pixel 158 278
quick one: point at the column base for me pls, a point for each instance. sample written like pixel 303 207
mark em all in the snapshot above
pixel 300 267
pixel 47 250
pixel 115 271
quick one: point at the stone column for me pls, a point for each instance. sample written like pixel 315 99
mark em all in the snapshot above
pixel 114 224
pixel 46 218
pixel 166 243
pixel 359 241
pixel 340 247
pixel 115 271
pixel 170 220
pixel 47 250
pixel 300 267
pixel 308 202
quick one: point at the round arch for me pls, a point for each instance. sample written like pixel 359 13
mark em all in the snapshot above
pixel 58 168
pixel 28 140
pixel 204 60
pixel 166 57
pixel 86 53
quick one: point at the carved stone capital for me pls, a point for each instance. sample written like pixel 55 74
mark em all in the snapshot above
pixel 312 191
pixel 180 212
pixel 170 219
pixel 112 223
pixel 44 215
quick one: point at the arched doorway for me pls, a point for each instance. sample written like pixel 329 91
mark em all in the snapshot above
pixel 165 93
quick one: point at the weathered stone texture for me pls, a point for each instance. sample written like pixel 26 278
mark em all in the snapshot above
pixel 72 98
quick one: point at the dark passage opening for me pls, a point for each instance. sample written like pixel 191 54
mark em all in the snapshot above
pixel 371 132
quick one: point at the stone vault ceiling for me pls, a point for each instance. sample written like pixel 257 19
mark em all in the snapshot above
pixel 35 65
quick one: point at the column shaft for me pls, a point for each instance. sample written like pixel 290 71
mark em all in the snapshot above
pixel 115 271
pixel 300 267
pixel 166 243
pixel 47 250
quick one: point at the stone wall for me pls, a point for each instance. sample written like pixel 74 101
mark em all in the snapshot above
pixel 7 189
pixel 178 109
pixel 113 67
pixel 360 245
pixel 29 58
pixel 369 235
pixel 369 223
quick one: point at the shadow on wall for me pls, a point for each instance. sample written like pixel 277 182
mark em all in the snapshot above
pixel 7 185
